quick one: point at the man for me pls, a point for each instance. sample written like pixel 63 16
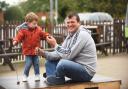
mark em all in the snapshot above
pixel 75 59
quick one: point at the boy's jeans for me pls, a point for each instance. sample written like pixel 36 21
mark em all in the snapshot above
pixel 29 61
pixel 67 68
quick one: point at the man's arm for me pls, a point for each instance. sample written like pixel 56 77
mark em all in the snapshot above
pixel 43 34
pixel 48 55
pixel 70 53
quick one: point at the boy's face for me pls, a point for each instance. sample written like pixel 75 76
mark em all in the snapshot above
pixel 32 24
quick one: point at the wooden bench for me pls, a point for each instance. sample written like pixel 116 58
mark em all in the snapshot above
pixel 7 54
pixel 7 59
pixel 95 32
pixel 98 82
pixel 102 46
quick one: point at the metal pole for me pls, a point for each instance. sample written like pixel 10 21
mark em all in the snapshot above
pixel 51 16
pixel 56 11
pixel 51 11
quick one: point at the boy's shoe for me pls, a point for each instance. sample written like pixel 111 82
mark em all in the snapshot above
pixel 37 77
pixel 53 80
pixel 24 78
pixel 44 75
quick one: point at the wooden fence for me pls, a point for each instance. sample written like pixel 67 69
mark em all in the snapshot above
pixel 108 32
pixel 113 32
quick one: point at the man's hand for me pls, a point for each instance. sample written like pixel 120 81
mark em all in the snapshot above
pixel 39 51
pixel 51 40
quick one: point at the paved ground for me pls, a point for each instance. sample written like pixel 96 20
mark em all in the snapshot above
pixel 115 66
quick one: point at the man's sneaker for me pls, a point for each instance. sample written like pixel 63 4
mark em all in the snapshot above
pixel 37 77
pixel 53 80
pixel 24 78
pixel 44 75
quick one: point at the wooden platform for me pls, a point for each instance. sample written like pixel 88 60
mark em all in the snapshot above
pixel 98 82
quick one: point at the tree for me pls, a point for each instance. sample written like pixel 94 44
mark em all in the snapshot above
pixel 14 13
pixel 3 5
pixel 35 6
pixel 66 6
pixel 117 8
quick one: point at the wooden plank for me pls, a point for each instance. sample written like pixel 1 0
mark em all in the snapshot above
pixel 98 82
pixel 9 55
pixel 103 44
pixel 108 85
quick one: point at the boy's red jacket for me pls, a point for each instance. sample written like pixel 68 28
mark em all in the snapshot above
pixel 30 39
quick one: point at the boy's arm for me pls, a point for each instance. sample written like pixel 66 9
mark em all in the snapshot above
pixel 44 35
pixel 19 37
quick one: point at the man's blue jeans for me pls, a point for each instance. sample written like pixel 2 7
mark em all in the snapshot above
pixel 70 69
pixel 29 61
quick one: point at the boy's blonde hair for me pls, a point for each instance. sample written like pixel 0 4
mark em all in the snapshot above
pixel 31 16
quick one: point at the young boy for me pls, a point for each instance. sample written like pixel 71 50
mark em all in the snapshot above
pixel 30 35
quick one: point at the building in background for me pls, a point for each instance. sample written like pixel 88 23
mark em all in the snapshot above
pixel 1 16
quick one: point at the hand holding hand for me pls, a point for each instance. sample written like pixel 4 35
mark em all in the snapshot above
pixel 39 51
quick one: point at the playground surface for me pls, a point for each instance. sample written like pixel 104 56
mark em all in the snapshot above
pixel 114 66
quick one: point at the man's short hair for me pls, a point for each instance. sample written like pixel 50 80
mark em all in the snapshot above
pixel 31 16
pixel 70 15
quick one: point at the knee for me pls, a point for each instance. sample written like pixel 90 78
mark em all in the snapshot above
pixel 62 63
pixel 28 65
pixel 50 62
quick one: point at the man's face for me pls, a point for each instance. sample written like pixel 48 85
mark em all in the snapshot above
pixel 72 24
pixel 32 24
